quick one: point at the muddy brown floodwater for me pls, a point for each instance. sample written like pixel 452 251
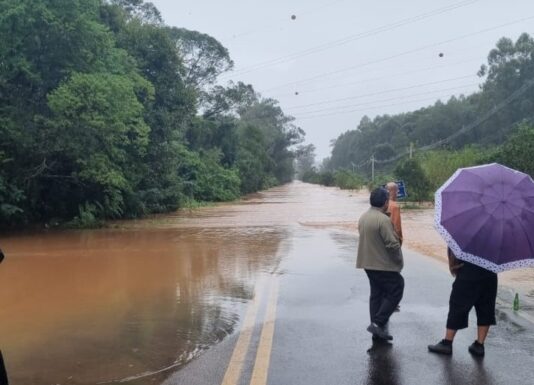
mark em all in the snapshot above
pixel 136 301
pixel 140 299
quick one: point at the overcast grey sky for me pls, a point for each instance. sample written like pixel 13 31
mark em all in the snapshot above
pixel 339 60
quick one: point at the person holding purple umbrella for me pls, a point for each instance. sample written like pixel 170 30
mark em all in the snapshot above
pixel 476 287
pixel 485 215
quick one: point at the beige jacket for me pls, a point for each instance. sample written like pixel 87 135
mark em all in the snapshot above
pixel 379 247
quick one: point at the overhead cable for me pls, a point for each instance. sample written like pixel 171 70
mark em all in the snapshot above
pixel 384 59
pixel 350 38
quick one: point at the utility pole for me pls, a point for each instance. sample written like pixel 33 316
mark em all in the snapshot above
pixel 373 168
pixel 411 150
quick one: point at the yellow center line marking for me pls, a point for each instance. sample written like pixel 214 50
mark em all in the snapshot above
pixel 263 356
pixel 233 372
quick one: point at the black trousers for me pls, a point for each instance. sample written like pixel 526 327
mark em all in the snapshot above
pixel 3 374
pixel 465 294
pixel 387 288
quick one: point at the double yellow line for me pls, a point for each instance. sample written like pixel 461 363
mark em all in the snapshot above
pixel 263 354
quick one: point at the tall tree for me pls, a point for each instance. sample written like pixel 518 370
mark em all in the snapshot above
pixel 101 161
pixel 305 158
pixel 42 43
pixel 204 57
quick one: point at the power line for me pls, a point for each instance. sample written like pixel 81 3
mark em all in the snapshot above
pixel 350 38
pixel 396 75
pixel 365 109
pixel 371 107
pixel 380 92
pixel 371 104
pixel 351 68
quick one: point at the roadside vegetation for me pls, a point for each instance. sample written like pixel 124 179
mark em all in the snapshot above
pixel 106 112
pixel 425 147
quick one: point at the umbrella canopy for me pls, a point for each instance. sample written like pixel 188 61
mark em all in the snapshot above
pixel 486 216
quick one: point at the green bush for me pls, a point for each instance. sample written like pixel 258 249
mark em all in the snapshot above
pixel 417 184
pixel 10 196
pixel 380 180
pixel 346 180
pixel 87 217
pixel 325 178
pixel 204 179
pixel 516 152
pixel 343 179
pixel 439 165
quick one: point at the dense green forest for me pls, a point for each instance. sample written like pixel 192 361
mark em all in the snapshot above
pixel 106 112
pixel 494 124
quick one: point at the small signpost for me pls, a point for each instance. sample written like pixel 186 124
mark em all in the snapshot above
pixel 401 189
pixel 401 192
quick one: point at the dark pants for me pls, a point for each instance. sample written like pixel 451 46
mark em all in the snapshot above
pixel 3 374
pixel 387 288
pixel 465 294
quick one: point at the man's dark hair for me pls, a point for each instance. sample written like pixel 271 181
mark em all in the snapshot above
pixel 379 197
pixel 1 256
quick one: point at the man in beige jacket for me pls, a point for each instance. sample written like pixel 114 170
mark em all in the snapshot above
pixel 380 255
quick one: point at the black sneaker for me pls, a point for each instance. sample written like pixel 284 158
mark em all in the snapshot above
pixel 477 349
pixel 379 332
pixel 442 347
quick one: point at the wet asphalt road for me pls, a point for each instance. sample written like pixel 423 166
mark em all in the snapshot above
pixel 320 313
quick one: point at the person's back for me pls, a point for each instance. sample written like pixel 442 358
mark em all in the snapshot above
pixel 471 272
pixel 378 247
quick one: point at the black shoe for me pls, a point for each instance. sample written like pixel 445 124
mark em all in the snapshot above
pixel 477 349
pixel 379 332
pixel 397 309
pixel 377 338
pixel 442 347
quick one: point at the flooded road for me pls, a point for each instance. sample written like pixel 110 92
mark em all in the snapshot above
pixel 134 302
pixel 262 291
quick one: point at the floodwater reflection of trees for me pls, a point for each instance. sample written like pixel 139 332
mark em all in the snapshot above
pixel 105 305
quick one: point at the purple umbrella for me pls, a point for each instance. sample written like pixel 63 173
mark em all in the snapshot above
pixel 486 216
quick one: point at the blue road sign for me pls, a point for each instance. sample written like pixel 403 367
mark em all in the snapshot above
pixel 401 192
